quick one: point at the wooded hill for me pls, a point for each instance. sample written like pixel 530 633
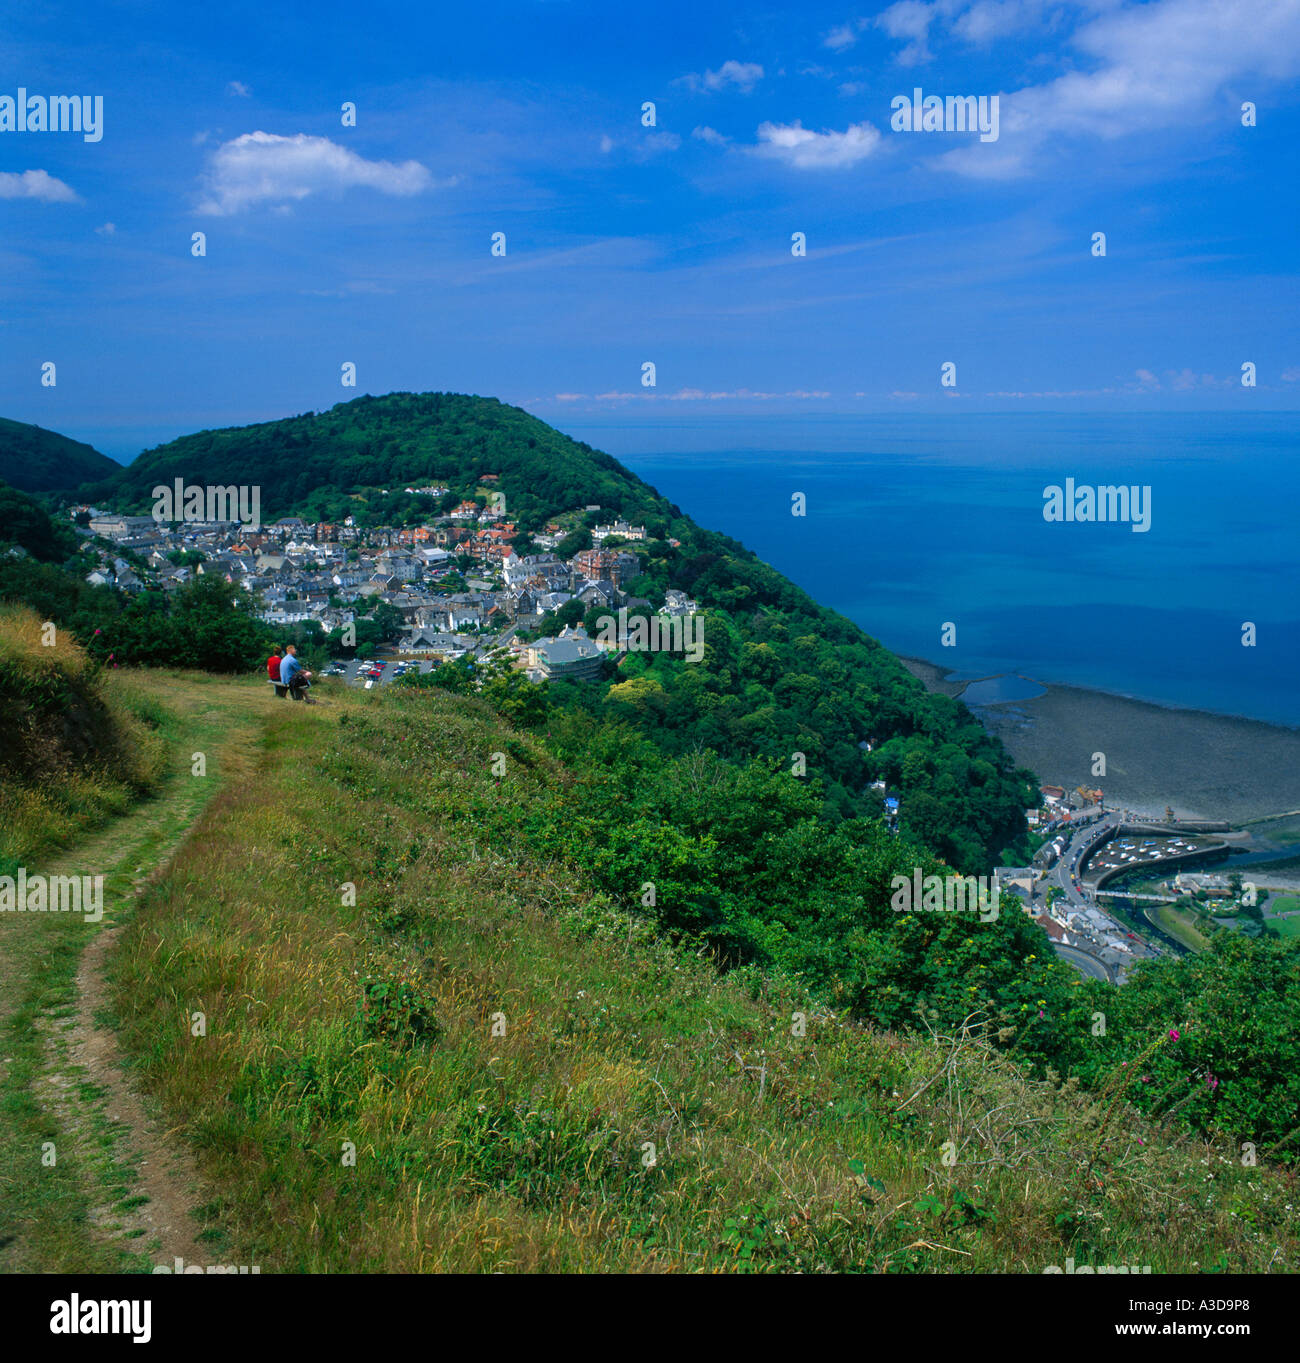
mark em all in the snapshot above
pixel 780 675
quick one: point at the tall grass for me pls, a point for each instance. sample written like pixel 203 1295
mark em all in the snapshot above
pixel 474 1063
pixel 77 744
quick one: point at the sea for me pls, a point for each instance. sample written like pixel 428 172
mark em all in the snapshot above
pixel 928 531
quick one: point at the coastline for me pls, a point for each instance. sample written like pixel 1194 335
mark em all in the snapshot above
pixel 1204 765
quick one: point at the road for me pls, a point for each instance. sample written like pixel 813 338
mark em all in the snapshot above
pixel 1088 966
pixel 1064 876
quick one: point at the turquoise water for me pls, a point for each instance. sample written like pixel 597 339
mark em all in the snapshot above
pixel 916 523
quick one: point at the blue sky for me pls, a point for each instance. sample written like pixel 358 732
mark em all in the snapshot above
pixel 628 244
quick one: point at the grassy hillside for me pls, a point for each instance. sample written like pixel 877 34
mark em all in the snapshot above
pixel 780 674
pixel 75 745
pixel 427 1045
pixel 37 460
pixel 97 781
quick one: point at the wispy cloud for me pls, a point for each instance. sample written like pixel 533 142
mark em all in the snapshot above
pixel 843 36
pixel 741 76
pixel 1180 381
pixel 237 87
pixel 909 21
pixel 35 184
pixel 1157 65
pixel 694 395
pixel 265 168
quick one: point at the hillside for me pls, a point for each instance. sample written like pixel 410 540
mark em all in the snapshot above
pixel 72 747
pixel 309 464
pixel 434 1046
pixel 780 675
pixel 433 1039
pixel 26 523
pixel 36 460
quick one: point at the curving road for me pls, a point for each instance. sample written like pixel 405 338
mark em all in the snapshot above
pixel 1065 876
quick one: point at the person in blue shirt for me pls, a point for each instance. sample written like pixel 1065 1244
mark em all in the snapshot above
pixel 294 675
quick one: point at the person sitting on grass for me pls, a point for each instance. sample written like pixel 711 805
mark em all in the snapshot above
pixel 294 675
pixel 273 664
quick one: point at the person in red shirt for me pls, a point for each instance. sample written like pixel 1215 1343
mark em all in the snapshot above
pixel 273 666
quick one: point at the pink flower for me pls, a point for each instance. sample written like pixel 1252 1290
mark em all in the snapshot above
pixel 1173 1034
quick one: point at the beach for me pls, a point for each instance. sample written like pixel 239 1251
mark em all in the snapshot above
pixel 1204 765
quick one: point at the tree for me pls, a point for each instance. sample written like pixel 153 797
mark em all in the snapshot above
pixel 573 543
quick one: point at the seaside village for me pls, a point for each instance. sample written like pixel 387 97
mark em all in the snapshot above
pixel 457 582
pixel 1116 886
pixel 461 590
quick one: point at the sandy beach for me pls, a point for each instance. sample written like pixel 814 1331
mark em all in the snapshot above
pixel 1204 765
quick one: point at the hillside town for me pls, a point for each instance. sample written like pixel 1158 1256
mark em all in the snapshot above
pixel 456 581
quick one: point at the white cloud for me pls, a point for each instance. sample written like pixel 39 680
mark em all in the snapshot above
pixel 710 135
pixel 844 35
pixel 107 230
pixel 1141 67
pixel 804 149
pixel 237 87
pixel 990 19
pixel 1291 375
pixel 911 20
pixel 265 168
pixel 1159 65
pixel 35 184
pixel 743 75
pixel 640 148
pixel 691 395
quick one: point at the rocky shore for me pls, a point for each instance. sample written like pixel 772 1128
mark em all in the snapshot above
pixel 1203 765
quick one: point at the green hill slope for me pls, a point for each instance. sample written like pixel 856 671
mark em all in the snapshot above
pixel 36 460
pixel 304 464
pixel 433 1045
pixel 780 674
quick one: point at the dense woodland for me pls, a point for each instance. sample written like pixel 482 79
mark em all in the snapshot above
pixel 36 460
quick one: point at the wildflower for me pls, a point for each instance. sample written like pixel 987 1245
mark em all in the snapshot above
pixel 1173 1034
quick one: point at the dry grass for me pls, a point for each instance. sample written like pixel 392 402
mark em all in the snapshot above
pixel 531 1081
pixel 77 745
